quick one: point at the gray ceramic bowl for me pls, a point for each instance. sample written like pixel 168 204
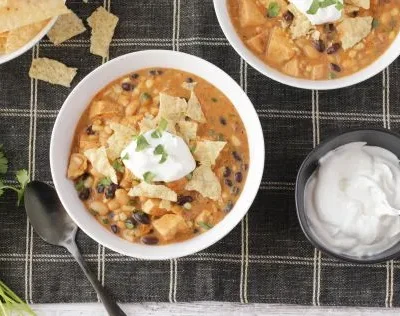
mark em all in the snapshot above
pixel 374 137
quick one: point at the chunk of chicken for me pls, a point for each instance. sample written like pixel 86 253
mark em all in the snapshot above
pixel 169 225
pixel 105 108
pixel 279 49
pixel 292 68
pixel 259 42
pixel 318 72
pixel 77 166
pixel 250 14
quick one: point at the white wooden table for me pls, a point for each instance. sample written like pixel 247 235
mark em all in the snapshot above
pixel 209 309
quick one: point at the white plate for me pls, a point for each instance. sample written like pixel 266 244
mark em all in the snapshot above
pixel 78 101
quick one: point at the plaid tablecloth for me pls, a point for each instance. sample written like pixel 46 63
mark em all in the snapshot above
pixel 264 259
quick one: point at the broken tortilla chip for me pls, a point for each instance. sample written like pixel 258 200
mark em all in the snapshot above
pixel 188 130
pixel 194 110
pixel 18 13
pixel 165 204
pixel 189 85
pixel 353 30
pixel 172 108
pixel 52 71
pixel 207 152
pixel 146 124
pixel 67 26
pixel 99 160
pixel 205 182
pixel 153 191
pixel 103 24
pixel 19 37
pixel 118 141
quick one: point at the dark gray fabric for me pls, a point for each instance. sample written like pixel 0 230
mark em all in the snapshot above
pixel 266 258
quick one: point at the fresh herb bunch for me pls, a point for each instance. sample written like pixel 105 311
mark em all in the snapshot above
pixel 11 304
pixel 21 176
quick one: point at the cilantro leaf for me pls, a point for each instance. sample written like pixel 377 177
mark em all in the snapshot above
pixel 148 176
pixel 141 143
pixel 3 161
pixel 80 185
pixel 105 182
pixel 273 9
pixel 315 5
pixel 23 179
pixel 160 150
pixel 162 126
pixel 118 165
pixel 126 157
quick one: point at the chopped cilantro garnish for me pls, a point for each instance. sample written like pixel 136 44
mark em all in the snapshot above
pixel 375 23
pixel 105 221
pixel 80 185
pixel 129 224
pixel 118 165
pixel 160 150
pixel 332 75
pixel 162 126
pixel 105 182
pixel 144 97
pixel 273 9
pixel 126 157
pixel 321 4
pixel 148 176
pixel 205 225
pixel 142 143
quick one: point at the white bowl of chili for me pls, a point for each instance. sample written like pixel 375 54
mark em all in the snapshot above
pixel 365 72
pixel 77 102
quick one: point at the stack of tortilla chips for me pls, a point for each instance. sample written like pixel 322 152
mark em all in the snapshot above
pixel 22 20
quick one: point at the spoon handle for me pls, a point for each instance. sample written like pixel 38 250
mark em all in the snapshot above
pixel 109 303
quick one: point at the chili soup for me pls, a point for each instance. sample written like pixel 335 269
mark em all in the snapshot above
pixel 316 39
pixel 159 156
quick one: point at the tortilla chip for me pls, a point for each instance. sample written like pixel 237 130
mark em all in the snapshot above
pixel 188 130
pixel 189 85
pixel 205 182
pixel 148 206
pixel 103 25
pixel 165 204
pixel 147 123
pixel 194 110
pixel 172 108
pixel 19 13
pixel 52 71
pixel 20 36
pixel 353 30
pixel 153 191
pixel 99 160
pixel 207 152
pixel 67 26
pixel 118 141
pixel 3 41
pixel 301 25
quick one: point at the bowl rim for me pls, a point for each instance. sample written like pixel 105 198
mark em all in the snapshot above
pixel 387 58
pixel 301 208
pixel 175 250
pixel 8 57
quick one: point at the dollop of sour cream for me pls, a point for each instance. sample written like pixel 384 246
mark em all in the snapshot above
pixel 178 163
pixel 353 200
pixel 325 15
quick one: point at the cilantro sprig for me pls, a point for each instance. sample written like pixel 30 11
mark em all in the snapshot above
pixel 141 143
pixel 321 4
pixel 273 9
pixel 21 176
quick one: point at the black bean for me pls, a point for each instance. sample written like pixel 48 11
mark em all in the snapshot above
pixel 90 131
pixel 288 16
pixel 227 172
pixel 114 228
pixel 238 177
pixel 127 86
pixel 235 190
pixel 354 14
pixel 189 80
pixel 84 194
pixel 246 166
pixel 135 76
pixel 110 191
pixel 336 67
pixel 155 72
pixel 222 120
pixel 333 48
pixel 236 156
pixel 100 188
pixel 85 176
pixel 330 28
pixel 228 207
pixel 183 199
pixel 195 231
pixel 149 240
pixel 142 218
pixel 228 182
pixel 319 45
